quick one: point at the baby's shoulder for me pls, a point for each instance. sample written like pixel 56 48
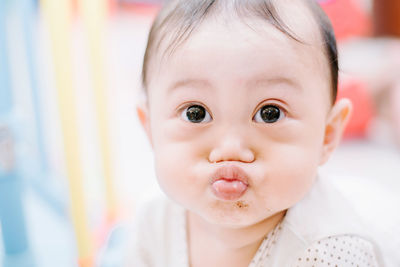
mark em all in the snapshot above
pixel 324 212
pixel 326 227
pixel 156 218
pixel 157 234
pixel 340 250
pixel 155 212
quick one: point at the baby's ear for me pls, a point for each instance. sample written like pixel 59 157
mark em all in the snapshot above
pixel 335 126
pixel 142 112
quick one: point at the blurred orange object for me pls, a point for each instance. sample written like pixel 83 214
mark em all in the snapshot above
pixel 363 107
pixel 387 17
pixel 87 262
pixel 348 18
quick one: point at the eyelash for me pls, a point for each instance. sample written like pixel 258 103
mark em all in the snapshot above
pixel 208 117
pixel 282 113
pixel 183 111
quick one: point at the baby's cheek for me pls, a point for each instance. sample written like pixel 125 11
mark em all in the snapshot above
pixel 297 134
pixel 176 131
pixel 292 178
pixel 174 168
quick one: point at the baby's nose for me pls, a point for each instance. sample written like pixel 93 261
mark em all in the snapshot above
pixel 231 148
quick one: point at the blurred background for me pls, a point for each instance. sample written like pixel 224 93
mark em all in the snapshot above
pixel 74 162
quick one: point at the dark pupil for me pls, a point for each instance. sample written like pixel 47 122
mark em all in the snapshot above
pixel 196 114
pixel 270 114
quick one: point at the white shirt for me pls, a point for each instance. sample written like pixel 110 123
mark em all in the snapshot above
pixel 320 230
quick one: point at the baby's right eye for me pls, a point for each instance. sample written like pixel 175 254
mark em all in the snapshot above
pixel 196 114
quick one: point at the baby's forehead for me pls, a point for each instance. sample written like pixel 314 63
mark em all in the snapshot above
pixel 299 23
pixel 294 20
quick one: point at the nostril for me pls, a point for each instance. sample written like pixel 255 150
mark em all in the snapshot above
pixel 248 156
pixel 214 156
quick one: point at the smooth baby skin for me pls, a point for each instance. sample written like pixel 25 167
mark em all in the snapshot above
pixel 233 70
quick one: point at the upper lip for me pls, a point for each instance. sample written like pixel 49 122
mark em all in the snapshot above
pixel 230 172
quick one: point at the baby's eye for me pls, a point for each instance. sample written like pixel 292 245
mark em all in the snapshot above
pixel 269 114
pixel 196 114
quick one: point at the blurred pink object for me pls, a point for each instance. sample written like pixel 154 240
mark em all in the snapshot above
pixel 348 18
pixel 363 107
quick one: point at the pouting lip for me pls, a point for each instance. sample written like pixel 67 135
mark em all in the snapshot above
pixel 230 172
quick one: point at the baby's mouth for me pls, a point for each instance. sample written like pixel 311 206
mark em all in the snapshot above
pixel 229 183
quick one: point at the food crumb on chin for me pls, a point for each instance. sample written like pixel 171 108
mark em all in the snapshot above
pixel 241 204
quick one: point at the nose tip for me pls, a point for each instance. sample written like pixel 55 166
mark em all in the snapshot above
pixel 231 150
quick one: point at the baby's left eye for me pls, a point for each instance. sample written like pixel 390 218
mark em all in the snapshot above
pixel 269 114
pixel 196 114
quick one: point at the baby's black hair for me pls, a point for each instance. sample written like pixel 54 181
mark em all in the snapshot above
pixel 179 18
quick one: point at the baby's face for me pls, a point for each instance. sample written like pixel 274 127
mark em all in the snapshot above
pixel 237 120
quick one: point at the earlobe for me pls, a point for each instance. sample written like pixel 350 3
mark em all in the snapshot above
pixel 335 126
pixel 142 112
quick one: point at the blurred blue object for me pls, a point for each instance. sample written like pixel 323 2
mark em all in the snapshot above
pixel 11 210
pixel 14 233
pixel 28 14
pixel 17 253
pixel 5 86
pixel 30 233
pixel 39 172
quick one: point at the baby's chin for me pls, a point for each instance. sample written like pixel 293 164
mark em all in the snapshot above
pixel 242 213
pixel 232 215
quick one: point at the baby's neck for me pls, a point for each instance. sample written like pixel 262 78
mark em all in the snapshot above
pixel 214 245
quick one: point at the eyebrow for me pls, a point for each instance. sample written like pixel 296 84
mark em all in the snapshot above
pixel 275 80
pixel 189 83
pixel 261 79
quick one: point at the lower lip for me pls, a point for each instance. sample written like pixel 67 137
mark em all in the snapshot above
pixel 229 190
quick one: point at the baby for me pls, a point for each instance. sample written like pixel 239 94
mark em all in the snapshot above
pixel 241 110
